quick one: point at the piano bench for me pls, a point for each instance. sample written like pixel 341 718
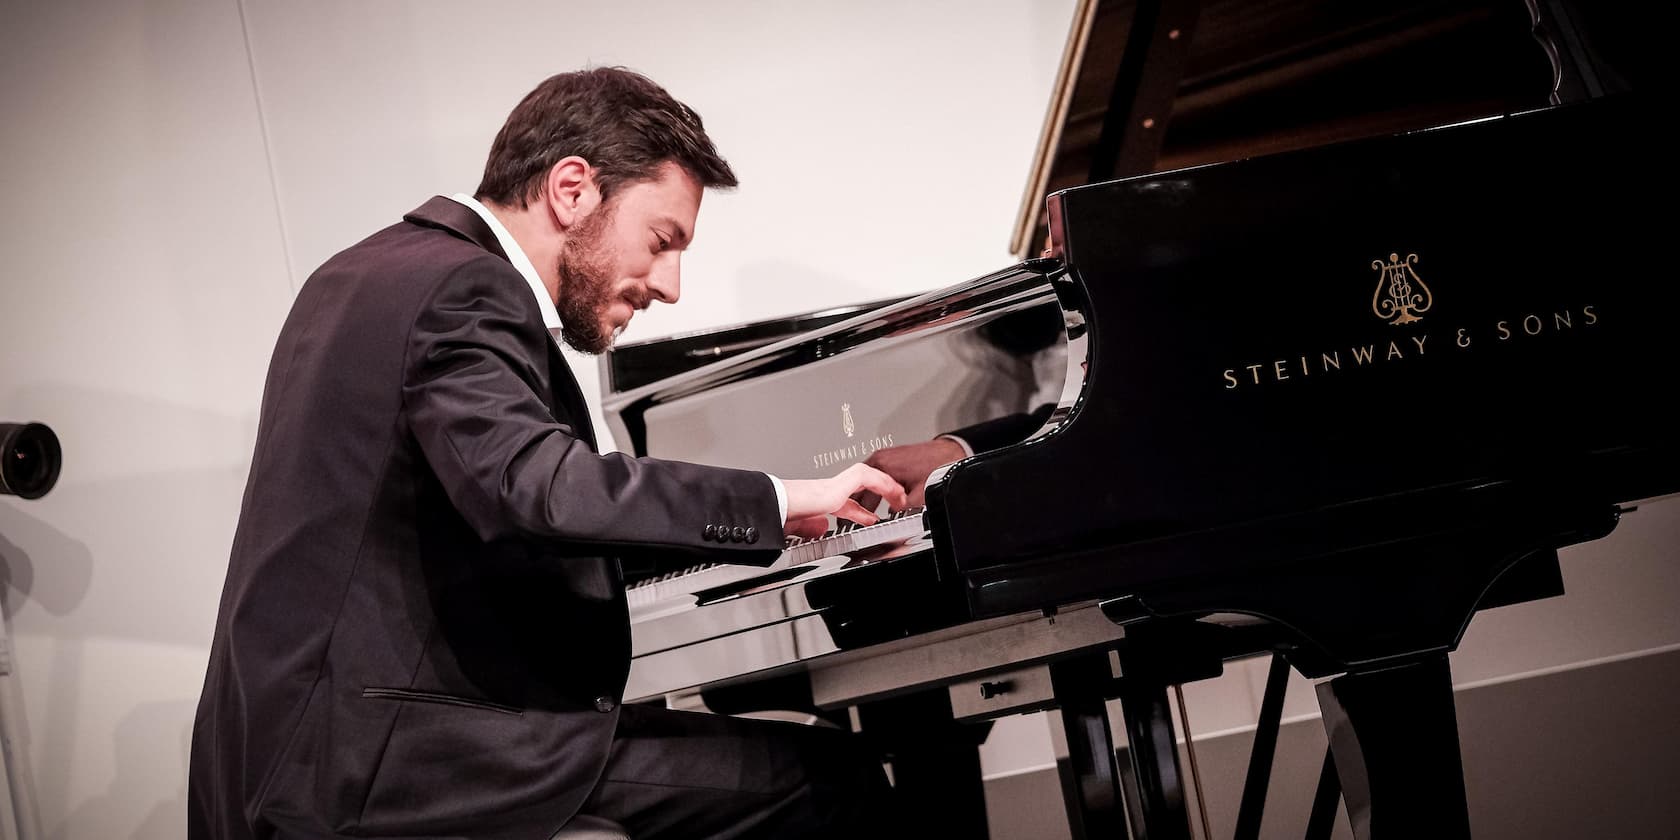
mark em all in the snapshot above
pixel 583 827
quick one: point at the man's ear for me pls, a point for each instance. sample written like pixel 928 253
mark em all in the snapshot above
pixel 570 191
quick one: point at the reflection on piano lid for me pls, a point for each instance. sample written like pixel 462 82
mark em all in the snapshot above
pixel 993 348
pixel 634 364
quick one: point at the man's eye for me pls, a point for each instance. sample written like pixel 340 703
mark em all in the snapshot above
pixel 664 244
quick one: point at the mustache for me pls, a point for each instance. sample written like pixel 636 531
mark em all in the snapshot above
pixel 639 299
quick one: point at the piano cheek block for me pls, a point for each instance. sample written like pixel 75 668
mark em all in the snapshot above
pixel 995 695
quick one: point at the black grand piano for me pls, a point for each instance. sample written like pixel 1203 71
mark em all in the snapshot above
pixel 1325 403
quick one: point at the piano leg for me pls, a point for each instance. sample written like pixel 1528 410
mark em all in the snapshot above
pixel 935 764
pixel 1159 801
pixel 1326 800
pixel 1150 799
pixel 1091 789
pixel 1394 736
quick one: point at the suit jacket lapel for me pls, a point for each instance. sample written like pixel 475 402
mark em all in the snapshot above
pixel 459 220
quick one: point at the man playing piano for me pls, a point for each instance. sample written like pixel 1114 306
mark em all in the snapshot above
pixel 423 629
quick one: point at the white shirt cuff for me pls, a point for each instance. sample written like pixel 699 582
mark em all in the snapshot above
pixel 781 495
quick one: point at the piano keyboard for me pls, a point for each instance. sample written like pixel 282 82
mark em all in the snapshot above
pixel 654 596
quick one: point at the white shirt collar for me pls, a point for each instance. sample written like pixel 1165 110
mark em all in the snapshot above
pixel 516 255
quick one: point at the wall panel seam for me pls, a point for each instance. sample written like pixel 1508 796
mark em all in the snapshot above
pixel 268 148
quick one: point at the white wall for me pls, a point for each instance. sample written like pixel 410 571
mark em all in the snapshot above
pixel 141 285
pixel 173 169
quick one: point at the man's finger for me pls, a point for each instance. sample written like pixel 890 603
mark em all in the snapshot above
pixel 854 512
pixel 883 485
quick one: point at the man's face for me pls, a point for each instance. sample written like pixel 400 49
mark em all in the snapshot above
pixel 624 255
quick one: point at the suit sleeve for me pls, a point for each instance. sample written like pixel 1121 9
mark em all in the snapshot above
pixel 471 396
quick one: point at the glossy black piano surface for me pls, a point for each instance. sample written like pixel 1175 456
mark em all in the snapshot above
pixel 1288 357
pixel 1355 392
pixel 1255 396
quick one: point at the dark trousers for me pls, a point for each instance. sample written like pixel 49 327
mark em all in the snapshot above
pixel 697 776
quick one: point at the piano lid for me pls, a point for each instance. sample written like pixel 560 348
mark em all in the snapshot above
pixel 1243 78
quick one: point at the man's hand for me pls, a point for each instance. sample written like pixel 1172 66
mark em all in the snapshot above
pixel 811 501
pixel 910 464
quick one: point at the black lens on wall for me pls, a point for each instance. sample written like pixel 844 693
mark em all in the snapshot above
pixel 29 459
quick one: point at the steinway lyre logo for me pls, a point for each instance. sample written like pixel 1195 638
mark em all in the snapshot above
pixel 1401 296
pixel 846 419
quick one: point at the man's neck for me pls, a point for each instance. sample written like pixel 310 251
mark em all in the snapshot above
pixel 534 235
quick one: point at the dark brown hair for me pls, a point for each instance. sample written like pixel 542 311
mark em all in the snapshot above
pixel 620 121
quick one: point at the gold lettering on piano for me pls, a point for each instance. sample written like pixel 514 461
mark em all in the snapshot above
pixel 1401 293
pixel 851 452
pixel 1526 326
pixel 1401 297
pixel 1535 324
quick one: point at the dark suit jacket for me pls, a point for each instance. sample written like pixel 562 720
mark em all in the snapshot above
pixel 420 635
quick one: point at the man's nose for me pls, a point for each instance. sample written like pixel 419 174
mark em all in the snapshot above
pixel 665 281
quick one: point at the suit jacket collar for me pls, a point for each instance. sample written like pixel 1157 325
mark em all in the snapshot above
pixel 450 215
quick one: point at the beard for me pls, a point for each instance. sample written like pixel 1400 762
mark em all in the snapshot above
pixel 586 285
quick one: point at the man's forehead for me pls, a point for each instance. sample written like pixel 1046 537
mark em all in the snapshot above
pixel 669 182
